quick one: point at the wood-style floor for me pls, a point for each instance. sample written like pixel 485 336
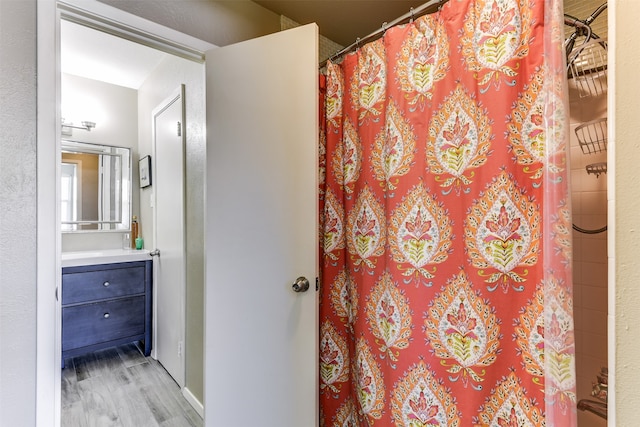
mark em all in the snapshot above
pixel 120 387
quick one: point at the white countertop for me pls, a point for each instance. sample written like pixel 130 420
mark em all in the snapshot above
pixel 107 256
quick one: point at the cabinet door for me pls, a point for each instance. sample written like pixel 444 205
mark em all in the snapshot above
pixel 81 284
pixel 262 141
pixel 92 324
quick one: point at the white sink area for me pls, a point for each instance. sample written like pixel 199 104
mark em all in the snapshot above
pixel 108 256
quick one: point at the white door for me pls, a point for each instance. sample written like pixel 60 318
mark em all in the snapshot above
pixel 262 140
pixel 167 178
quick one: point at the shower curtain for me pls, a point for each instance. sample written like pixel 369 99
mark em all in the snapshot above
pixel 445 293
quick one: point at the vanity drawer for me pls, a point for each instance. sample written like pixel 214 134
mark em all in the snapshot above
pixel 91 285
pixel 90 324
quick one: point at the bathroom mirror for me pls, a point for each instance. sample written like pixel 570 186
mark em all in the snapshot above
pixel 95 190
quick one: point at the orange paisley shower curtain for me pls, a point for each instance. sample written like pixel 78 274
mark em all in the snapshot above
pixel 446 259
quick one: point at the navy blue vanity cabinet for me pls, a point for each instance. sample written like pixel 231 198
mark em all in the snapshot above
pixel 105 305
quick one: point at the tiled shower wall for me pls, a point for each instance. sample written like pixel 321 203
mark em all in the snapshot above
pixel 589 200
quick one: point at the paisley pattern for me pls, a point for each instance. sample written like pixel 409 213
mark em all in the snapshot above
pixel 369 82
pixel 333 235
pixel 347 160
pixel 445 293
pixel 527 131
pixel 419 234
pixel 509 406
pixel 334 96
pixel 503 233
pixel 369 386
pixel 559 344
pixel 389 318
pixel 420 400
pixel 344 297
pixel 496 34
pixel 423 60
pixel 394 149
pixel 530 336
pixel 366 229
pixel 562 229
pixel 334 355
pixel 463 328
pixel 347 415
pixel 459 140
pixel 322 152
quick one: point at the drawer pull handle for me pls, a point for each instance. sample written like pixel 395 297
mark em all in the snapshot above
pixel 105 284
pixel 106 315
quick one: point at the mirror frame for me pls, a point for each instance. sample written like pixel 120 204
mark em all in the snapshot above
pixel 122 224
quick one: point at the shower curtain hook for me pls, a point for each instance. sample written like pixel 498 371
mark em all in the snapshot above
pixel 384 27
pixel 357 43
pixel 411 11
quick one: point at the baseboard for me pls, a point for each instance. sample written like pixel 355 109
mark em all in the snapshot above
pixel 195 403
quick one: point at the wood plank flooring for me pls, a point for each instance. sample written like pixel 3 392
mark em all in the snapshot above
pixel 120 387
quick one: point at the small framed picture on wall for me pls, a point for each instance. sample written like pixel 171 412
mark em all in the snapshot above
pixel 144 168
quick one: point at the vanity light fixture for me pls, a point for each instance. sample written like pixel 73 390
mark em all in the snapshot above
pixel 86 125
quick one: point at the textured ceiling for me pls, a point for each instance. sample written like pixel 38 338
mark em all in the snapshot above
pixel 342 21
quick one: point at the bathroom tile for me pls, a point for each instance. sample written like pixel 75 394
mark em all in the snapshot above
pixel 578 344
pixel 576 202
pixel 594 202
pixel 587 419
pixel 577 295
pixel 584 382
pixel 591 182
pixel 591 366
pixel 595 274
pixel 573 139
pixel 594 251
pixel 599 236
pixel 595 347
pixel 576 180
pixel 576 273
pixel 577 156
pixel 577 220
pixel 592 222
pixel 594 297
pixel 578 321
pixel 594 321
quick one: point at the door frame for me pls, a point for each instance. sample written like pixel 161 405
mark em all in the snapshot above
pixel 48 263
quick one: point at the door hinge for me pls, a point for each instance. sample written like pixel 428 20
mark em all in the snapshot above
pixel 317 284
pixel 179 129
pixel 179 348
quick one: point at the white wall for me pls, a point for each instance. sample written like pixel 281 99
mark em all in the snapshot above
pixel 17 213
pixel 114 109
pixel 624 58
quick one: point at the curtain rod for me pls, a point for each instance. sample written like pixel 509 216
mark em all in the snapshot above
pixel 427 7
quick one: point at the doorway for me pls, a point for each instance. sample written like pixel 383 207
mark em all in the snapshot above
pixel 296 53
pixel 121 104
